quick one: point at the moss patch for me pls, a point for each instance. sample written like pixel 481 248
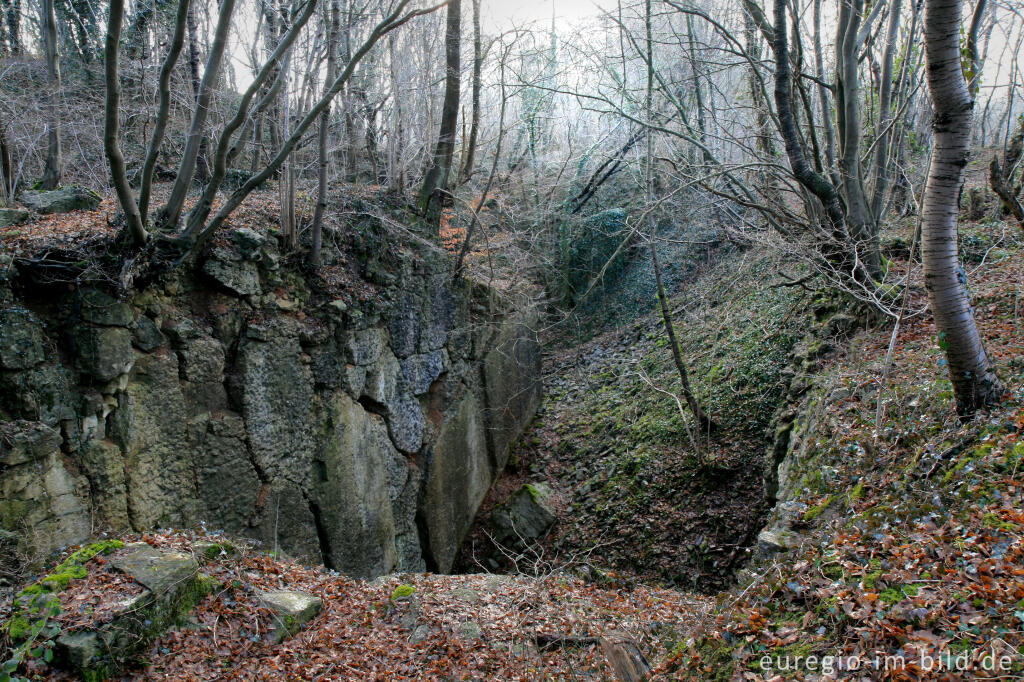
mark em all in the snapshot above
pixel 402 592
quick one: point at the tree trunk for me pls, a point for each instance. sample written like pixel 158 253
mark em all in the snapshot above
pixel 974 60
pixel 625 657
pixel 474 126
pixel 1001 175
pixel 397 146
pixel 163 112
pixel 186 170
pixel 464 251
pixel 4 42
pixel 436 181
pixel 703 421
pixel 6 170
pixel 111 125
pixel 54 167
pixel 823 99
pixel 761 111
pixel 880 170
pixel 202 167
pixel 334 24
pixel 858 214
pixel 974 382
pixel 837 240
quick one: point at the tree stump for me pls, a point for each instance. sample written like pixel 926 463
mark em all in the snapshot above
pixel 625 657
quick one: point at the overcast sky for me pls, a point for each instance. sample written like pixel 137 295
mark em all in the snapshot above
pixel 500 14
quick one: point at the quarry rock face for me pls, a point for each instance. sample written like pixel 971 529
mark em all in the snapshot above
pixel 363 435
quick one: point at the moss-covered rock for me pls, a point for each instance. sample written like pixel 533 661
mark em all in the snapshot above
pixel 173 588
pixel 524 517
pixel 61 200
pixel 12 216
pixel 292 610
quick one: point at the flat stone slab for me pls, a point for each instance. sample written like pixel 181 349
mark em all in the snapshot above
pixel 61 200
pixel 12 216
pixel 79 649
pixel 774 540
pixel 157 570
pixel 292 609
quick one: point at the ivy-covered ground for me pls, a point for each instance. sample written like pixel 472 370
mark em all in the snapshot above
pixel 911 562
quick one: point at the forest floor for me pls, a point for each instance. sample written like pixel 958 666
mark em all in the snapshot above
pixel 908 558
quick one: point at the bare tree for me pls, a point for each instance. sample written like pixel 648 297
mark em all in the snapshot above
pixel 703 421
pixel 474 126
pixel 323 160
pixel 974 381
pixel 164 106
pixel 54 168
pixel 10 18
pixel 112 122
pixel 436 181
pixel 1003 173
pixel 171 211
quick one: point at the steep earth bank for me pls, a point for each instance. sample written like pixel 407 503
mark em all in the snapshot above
pixel 612 441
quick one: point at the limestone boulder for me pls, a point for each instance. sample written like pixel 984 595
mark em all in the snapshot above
pixel 352 493
pixel 276 392
pixel 26 442
pixel 149 426
pixel 41 501
pixel 103 465
pixel 406 422
pixel 423 369
pixel 101 309
pixel 248 242
pixel 43 393
pixel 61 200
pixel 12 216
pixel 159 571
pixel 774 540
pixel 512 377
pixel 146 336
pixel 292 610
pixel 228 486
pixel 525 517
pixel 173 586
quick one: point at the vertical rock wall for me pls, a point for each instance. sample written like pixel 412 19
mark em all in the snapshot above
pixel 363 436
